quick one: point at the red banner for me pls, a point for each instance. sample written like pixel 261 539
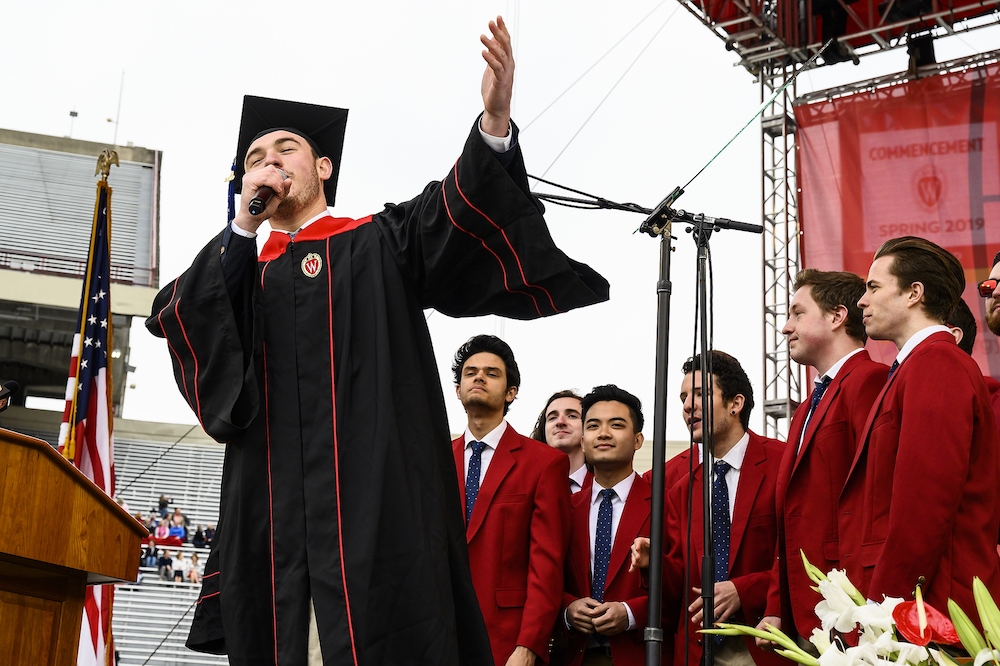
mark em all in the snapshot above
pixel 920 158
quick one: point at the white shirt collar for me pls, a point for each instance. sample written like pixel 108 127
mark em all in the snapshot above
pixel 917 338
pixel 305 224
pixel 492 438
pixel 736 454
pixel 579 475
pixel 835 368
pixel 622 489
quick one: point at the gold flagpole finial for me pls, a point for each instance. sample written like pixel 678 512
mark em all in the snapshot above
pixel 104 162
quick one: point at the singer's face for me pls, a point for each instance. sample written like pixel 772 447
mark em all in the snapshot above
pixel 993 304
pixel 294 156
pixel 691 397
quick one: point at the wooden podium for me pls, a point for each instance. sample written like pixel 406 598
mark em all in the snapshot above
pixel 58 533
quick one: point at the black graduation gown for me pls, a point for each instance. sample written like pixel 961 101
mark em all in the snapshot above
pixel 339 483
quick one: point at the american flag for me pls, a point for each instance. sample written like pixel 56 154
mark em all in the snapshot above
pixel 85 435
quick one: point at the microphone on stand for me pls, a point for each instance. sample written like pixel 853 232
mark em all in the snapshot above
pixel 263 197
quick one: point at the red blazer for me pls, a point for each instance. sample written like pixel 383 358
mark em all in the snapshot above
pixel 627 648
pixel 809 484
pixel 518 536
pixel 994 389
pixel 751 552
pixel 674 470
pixel 922 497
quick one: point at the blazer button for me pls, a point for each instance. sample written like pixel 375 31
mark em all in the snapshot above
pixel 699 641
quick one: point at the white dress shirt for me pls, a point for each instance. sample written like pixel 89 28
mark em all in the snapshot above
pixel 622 489
pixel 831 374
pixel 735 460
pixel 917 338
pixel 491 440
pixel 576 479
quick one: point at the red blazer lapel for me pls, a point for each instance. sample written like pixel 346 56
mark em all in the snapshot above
pixel 832 391
pixel 635 513
pixel 579 548
pixel 876 406
pixel 751 478
pixel 501 463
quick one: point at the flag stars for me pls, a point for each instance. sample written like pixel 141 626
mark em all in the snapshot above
pixel 87 342
pixel 92 319
pixel 99 295
pixel 104 323
pixel 83 363
pixel 98 344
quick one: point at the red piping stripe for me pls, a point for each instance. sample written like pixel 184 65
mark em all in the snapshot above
pixel 336 453
pixel 503 269
pixel 270 497
pixel 197 398
pixel 504 234
pixel 187 396
pixel 209 576
pixel 209 596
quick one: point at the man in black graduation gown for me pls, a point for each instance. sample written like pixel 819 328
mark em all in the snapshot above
pixel 340 529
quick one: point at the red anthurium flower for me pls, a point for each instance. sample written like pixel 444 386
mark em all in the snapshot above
pixel 939 628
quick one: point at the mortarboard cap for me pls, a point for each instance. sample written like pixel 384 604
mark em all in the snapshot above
pixel 322 126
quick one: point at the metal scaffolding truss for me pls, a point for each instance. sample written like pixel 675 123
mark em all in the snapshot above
pixel 780 215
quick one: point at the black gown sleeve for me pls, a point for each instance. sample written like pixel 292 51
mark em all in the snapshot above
pixel 475 243
pixel 215 372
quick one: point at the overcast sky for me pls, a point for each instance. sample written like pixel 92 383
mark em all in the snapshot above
pixel 644 120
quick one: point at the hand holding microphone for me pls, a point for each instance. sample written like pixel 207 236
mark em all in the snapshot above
pixel 263 196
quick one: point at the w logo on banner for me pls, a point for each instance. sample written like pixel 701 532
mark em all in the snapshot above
pixel 928 183
pixel 85 435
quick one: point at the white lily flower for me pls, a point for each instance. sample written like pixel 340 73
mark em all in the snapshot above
pixel 877 616
pixel 839 578
pixel 820 639
pixel 986 655
pixel 832 656
pixel 836 611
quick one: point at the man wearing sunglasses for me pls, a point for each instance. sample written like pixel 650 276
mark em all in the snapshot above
pixel 990 290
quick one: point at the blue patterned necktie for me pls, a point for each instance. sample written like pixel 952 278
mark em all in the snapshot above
pixel 721 524
pixel 602 546
pixel 817 395
pixel 720 521
pixel 892 369
pixel 472 479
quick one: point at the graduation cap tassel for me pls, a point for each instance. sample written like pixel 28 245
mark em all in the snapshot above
pixel 232 193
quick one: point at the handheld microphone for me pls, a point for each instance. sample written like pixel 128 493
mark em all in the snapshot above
pixel 263 197
pixel 7 392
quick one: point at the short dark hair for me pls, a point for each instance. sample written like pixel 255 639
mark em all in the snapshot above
pixel 919 260
pixel 831 289
pixel 611 393
pixel 731 379
pixel 539 431
pixel 996 258
pixel 961 317
pixel 493 345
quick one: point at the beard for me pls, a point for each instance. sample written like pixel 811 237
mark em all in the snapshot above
pixel 295 203
pixel 993 321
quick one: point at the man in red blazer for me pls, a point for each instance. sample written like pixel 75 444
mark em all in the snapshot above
pixel 749 464
pixel 825 331
pixel 604 603
pixel 921 504
pixel 560 425
pixel 516 499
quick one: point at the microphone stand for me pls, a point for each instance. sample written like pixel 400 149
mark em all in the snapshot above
pixel 659 223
